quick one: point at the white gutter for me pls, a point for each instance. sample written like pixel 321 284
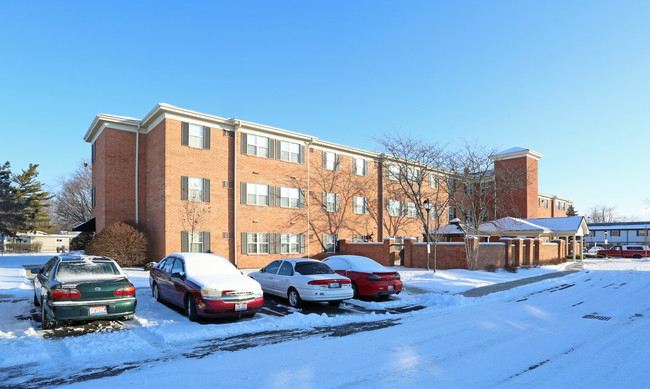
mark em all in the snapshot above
pixel 307 195
pixel 237 126
pixel 137 158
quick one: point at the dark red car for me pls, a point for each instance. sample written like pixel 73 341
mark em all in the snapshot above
pixel 205 285
pixel 369 278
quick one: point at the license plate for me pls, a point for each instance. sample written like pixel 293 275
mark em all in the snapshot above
pixel 241 306
pixel 334 284
pixel 97 310
pixel 391 287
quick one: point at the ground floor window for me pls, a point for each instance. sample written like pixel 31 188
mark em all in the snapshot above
pixel 329 243
pixel 258 243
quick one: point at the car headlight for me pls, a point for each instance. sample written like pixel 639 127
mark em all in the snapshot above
pixel 210 293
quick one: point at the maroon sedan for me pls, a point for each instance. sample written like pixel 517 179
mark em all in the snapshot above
pixel 368 277
pixel 205 285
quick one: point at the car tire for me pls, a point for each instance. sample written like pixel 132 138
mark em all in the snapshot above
pixel 36 302
pixel 45 323
pixel 355 288
pixel 294 298
pixel 155 292
pixel 190 308
pixel 335 304
pixel 636 256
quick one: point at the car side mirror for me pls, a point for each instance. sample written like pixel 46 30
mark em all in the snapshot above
pixel 263 270
pixel 36 270
pixel 178 275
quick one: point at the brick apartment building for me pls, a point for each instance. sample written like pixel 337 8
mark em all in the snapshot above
pixel 255 193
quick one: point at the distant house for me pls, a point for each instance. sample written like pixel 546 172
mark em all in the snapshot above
pixel 49 242
pixel 608 234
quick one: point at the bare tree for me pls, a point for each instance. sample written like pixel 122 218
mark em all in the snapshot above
pixel 72 203
pixel 603 214
pixel 192 215
pixel 413 167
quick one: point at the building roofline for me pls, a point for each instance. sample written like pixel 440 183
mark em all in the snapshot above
pixel 515 152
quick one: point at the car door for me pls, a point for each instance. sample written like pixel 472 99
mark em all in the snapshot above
pixel 177 287
pixel 42 278
pixel 283 279
pixel 266 277
pixel 164 279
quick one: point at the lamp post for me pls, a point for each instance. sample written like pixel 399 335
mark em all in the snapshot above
pixel 427 207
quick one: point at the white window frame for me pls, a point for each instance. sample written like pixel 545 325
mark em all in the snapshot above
pixel 412 174
pixel 257 194
pixel 469 189
pixel 195 241
pixel 360 166
pixel 394 208
pixel 360 205
pixel 330 202
pixel 257 145
pixel 359 238
pixel 330 160
pixel 257 243
pixel 433 180
pixel 393 172
pixel 290 243
pixel 194 189
pixel 289 151
pixel 410 210
pixel 484 187
pixel 195 135
pixel 329 243
pixel 290 197
pixel 469 216
pixel 451 213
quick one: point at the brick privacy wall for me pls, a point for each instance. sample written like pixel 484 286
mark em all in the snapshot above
pixel 548 254
pixel 452 255
pixel 380 252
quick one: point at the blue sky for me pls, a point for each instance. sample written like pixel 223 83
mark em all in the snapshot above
pixel 569 80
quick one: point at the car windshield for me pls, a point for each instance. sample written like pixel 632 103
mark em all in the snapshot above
pixel 86 270
pixel 309 268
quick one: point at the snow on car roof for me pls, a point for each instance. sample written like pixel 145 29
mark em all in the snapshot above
pixel 205 263
pixel 363 264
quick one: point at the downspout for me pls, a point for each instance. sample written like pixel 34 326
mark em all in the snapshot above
pixel 137 159
pixel 307 195
pixel 237 126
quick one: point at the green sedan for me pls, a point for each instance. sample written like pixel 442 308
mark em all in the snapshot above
pixel 82 287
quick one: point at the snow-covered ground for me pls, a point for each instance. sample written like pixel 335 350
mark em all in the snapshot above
pixel 586 329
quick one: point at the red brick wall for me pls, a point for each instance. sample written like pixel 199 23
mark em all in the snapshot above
pixel 380 252
pixel 523 200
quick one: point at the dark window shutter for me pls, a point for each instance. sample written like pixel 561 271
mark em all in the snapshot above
pixel 278 196
pixel 302 243
pixel 244 143
pixel 338 202
pixel 324 159
pixel 185 241
pixel 185 134
pixel 206 189
pixel 278 147
pixel 337 162
pixel 206 138
pixel 93 152
pixel 303 202
pixel 273 247
pixel 206 241
pixel 271 148
pixel 302 154
pixel 243 193
pixel 244 243
pixel 324 201
pixel 365 168
pixel 272 190
pixel 184 188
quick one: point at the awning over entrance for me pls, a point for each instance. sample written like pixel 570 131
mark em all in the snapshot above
pixel 88 226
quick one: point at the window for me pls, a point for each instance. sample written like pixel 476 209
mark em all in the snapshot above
pixel 469 189
pixel 286 269
pixel 329 243
pixel 433 213
pixel 331 160
pixel 451 184
pixel 289 243
pixel 289 151
pixel 331 202
pixel 360 167
pixel 451 213
pixel 290 197
pixel 257 145
pixel 258 243
pixel 410 209
pixel 359 238
pixel 195 189
pixel 641 232
pixel 484 187
pixel 393 173
pixel 257 194
pixel 360 205
pixel 545 203
pixel 394 208
pixel 195 240
pixel 433 181
pixel 469 217
pixel 615 233
pixel 59 240
pixel 539 202
pixel 178 267
pixel 412 174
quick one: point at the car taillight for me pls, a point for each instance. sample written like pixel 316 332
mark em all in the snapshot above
pixel 125 291
pixel 326 282
pixel 374 277
pixel 397 276
pixel 65 293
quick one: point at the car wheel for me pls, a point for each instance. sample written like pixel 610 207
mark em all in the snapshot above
pixel 355 288
pixel 294 298
pixel 155 292
pixel 190 308
pixel 45 323
pixel 636 256
pixel 335 303
pixel 36 303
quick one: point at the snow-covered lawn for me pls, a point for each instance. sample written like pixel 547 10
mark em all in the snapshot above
pixel 587 329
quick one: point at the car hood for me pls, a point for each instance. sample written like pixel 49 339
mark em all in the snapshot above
pixel 225 282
